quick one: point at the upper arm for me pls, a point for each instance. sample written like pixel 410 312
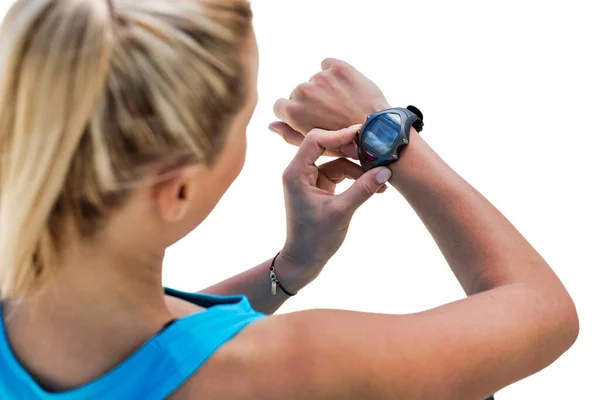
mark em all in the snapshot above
pixel 464 350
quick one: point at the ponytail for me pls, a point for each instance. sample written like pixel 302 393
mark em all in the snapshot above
pixel 55 58
pixel 93 93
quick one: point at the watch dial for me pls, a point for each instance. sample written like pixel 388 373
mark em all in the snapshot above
pixel 381 135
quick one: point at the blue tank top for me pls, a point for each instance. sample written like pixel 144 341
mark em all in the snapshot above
pixel 155 370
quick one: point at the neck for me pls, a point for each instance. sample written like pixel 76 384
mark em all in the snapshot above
pixel 97 292
pixel 106 284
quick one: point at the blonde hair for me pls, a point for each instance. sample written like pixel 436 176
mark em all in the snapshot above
pixel 92 93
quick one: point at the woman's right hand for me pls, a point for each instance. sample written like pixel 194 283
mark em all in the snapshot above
pixel 317 219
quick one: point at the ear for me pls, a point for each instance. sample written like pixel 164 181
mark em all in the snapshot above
pixel 172 194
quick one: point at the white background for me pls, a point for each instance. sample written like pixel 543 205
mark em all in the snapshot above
pixel 510 92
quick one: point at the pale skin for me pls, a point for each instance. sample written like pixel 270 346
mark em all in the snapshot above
pixel 516 320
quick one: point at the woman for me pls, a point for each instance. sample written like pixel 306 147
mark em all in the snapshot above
pixel 123 123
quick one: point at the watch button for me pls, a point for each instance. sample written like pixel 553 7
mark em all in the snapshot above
pixel 368 156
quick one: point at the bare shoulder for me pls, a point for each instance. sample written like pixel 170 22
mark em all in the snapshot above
pixel 274 358
pixel 464 350
pixel 316 355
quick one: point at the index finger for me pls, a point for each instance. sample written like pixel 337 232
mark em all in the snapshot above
pixel 319 140
pixel 279 109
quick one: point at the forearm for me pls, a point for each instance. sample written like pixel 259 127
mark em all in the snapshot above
pixel 482 247
pixel 507 280
pixel 255 284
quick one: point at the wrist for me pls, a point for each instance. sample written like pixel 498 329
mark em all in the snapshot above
pixel 415 160
pixel 359 115
pixel 293 272
pixel 376 106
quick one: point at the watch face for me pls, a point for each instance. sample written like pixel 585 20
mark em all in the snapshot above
pixel 381 135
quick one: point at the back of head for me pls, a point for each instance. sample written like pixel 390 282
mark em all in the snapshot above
pixel 92 94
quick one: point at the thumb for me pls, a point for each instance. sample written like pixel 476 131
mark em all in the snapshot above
pixel 365 187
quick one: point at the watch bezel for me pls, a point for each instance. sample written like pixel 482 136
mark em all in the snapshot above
pixel 407 118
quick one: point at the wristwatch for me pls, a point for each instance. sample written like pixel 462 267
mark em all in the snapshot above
pixel 385 134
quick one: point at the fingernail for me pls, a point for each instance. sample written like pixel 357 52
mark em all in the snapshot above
pixel 273 129
pixel 355 127
pixel 383 176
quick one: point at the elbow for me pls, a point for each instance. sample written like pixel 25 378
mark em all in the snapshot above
pixel 570 321
pixel 557 321
pixel 557 311
pixel 554 325
pixel 561 318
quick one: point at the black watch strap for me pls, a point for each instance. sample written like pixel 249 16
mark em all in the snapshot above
pixel 418 125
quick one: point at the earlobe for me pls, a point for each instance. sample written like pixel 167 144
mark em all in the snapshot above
pixel 180 210
pixel 179 204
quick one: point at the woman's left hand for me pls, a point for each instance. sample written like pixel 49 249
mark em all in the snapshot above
pixel 336 97
pixel 317 219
